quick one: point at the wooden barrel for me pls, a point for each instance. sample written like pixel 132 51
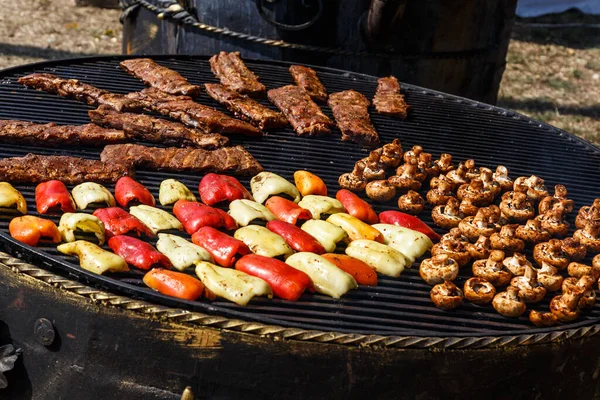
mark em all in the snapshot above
pixel 455 46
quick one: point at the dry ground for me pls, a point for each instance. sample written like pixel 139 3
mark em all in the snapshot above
pixel 552 74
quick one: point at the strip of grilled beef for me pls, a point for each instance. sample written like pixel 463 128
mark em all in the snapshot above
pixel 246 108
pixel 234 160
pixel 303 114
pixel 156 130
pixel 74 89
pixel 351 112
pixel 12 131
pixel 233 73
pixel 307 79
pixel 388 99
pixel 160 77
pixel 35 168
pixel 196 115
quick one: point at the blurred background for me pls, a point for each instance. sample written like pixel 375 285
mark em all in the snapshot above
pixel 552 72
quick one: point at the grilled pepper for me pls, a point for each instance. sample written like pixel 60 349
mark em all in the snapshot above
pixel 363 273
pixel 215 188
pixel 408 221
pixel 355 228
pixel 180 252
pixel 245 211
pixel 128 189
pixel 29 230
pixel 308 183
pixel 194 215
pixel 174 284
pixel 298 239
pixel 94 258
pixel 91 192
pixel 326 277
pixel 138 253
pixel 230 284
pixel 11 197
pixel 119 222
pixel 171 190
pixel 356 206
pixel 411 244
pixel 53 194
pixel 72 222
pixel 318 205
pixel 287 211
pixel 287 283
pixel 326 233
pixel 155 219
pixel 263 242
pixel 222 247
pixel 384 259
pixel 267 184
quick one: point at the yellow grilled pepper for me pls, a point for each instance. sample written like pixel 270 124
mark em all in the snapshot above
pixel 180 252
pixel 71 222
pixel 171 190
pixel 9 197
pixel 318 205
pixel 355 228
pixel 327 278
pixel 263 242
pixel 267 184
pixel 94 258
pixel 91 192
pixel 384 259
pixel 245 211
pixel 325 232
pixel 411 244
pixel 155 218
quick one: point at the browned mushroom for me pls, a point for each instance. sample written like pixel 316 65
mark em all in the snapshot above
pixel 411 203
pixel 380 190
pixel 482 224
pixel 467 208
pixel 373 168
pixel 506 240
pixel 566 306
pixel 445 163
pixel 413 153
pixel 588 214
pixel 532 232
pixel 575 250
pixel 589 236
pixel 446 296
pixel 480 249
pixel 530 290
pixel 585 283
pixel 391 154
pixel 577 270
pixel 447 216
pixel 508 303
pixel 550 278
pixel 438 269
pixel 517 207
pixel 554 221
pixel 596 261
pixel 427 166
pixel 440 190
pixel 453 244
pixel 407 177
pixel 559 198
pixel 354 181
pixel 479 291
pixel 551 252
pixel 486 176
pixel 501 176
pixel 476 193
pixel 458 175
pixel 517 264
pixel 536 190
pixel 472 171
pixel 542 319
pixel 492 269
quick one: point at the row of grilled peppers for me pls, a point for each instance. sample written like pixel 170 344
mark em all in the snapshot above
pixel 236 268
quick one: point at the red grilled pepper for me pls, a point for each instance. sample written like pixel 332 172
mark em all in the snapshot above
pixel 362 272
pixel 222 247
pixel 53 194
pixel 298 239
pixel 287 282
pixel 176 284
pixel 29 230
pixel 356 206
pixel 119 222
pixel 194 215
pixel 287 211
pixel 138 253
pixel 128 190
pixel 215 188
pixel 408 221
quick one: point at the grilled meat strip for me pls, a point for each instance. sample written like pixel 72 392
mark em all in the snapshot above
pixel 155 130
pixel 388 99
pixel 12 131
pixel 160 77
pixel 233 73
pixel 35 168
pixel 351 112
pixel 224 160
pixel 72 88
pixel 307 79
pixel 193 114
pixel 303 114
pixel 246 108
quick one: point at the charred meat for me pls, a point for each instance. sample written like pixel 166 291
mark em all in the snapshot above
pixel 233 73
pixel 160 77
pixel 307 79
pixel 12 131
pixel 388 99
pixel 351 113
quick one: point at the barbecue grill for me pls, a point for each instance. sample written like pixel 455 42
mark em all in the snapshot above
pixel 376 340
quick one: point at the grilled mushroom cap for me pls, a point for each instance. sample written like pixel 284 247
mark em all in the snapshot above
pixel 577 270
pixel 589 236
pixel 530 290
pixel 508 303
pixel 479 291
pixel 447 216
pixel 532 232
pixel 583 284
pixel 482 224
pixel 566 306
pixel 492 269
pixel 407 176
pixel 411 203
pixel 480 249
pixel 506 240
pixel 549 277
pixel 445 163
pixel 517 207
pixel 391 154
pixel 446 296
pixel 516 264
pixel 558 200
pixel 535 187
pixel 355 180
pixel 380 190
pixel 438 269
pixel 453 244
pixel 440 191
pixel 554 221
pixel 551 253
pixel 476 192
pixel 542 319
pixel 573 249
pixel 458 175
pixel 501 176
pixel 588 214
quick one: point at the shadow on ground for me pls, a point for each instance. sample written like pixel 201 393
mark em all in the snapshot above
pixel 540 105
pixel 38 52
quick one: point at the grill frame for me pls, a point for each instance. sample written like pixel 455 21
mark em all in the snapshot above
pixel 108 283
